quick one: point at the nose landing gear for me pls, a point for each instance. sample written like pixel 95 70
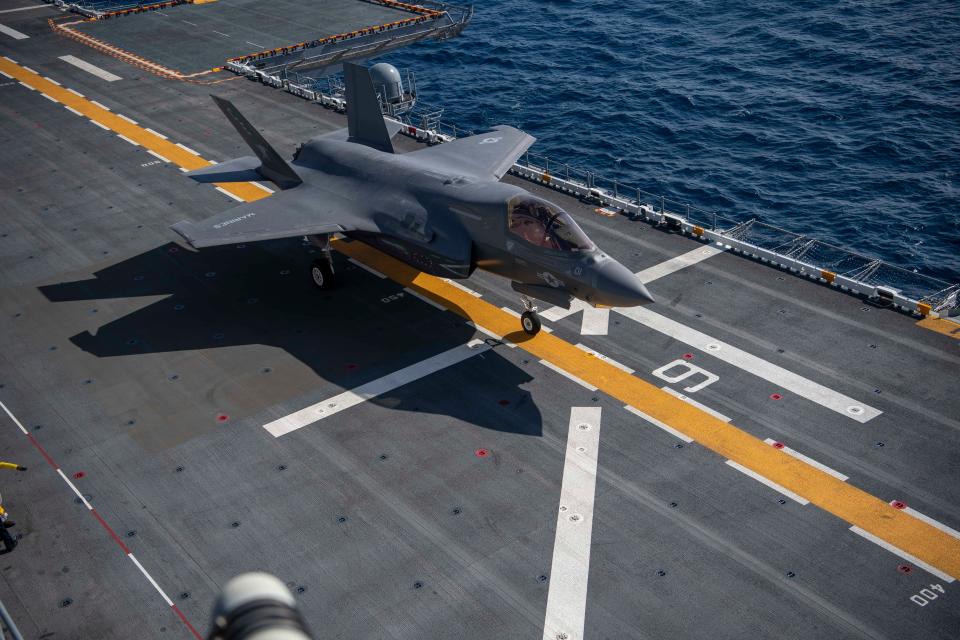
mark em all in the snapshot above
pixel 321 271
pixel 529 319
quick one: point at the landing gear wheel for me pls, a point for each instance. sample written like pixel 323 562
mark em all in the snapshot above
pixel 530 322
pixel 322 274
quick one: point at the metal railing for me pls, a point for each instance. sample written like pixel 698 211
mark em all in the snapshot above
pixel 878 280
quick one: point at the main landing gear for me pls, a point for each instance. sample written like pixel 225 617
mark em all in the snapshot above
pixel 529 320
pixel 321 271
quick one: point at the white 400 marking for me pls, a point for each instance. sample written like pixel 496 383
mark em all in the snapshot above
pixel 926 595
pixel 392 298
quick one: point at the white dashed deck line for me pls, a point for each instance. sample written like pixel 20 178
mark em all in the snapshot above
pixel 766 481
pixel 424 298
pixel 130 120
pixel 99 125
pixel 699 405
pixel 462 287
pixel 227 193
pixel 903 554
pixel 568 376
pixel 92 69
pixel 810 461
pixel 102 106
pixel 657 423
pixel 52 81
pixel 367 268
pixel 126 139
pixel 156 133
pixel 74 92
pixel 157 155
pixel 933 523
pixel 606 359
pixel 186 148
pixel 72 110
pixel 156 586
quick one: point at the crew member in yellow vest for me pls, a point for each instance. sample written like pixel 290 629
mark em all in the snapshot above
pixel 9 542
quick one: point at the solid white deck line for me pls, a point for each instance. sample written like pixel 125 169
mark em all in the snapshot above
pixel 462 287
pixel 903 554
pixel 677 263
pixel 568 376
pixel 374 388
pixel 156 133
pixel 607 359
pixel 103 74
pixel 149 577
pixel 13 33
pixel 657 423
pixel 770 483
pixel 716 414
pixel 157 155
pixel 795 383
pixel 810 461
pixel 933 523
pixel 366 268
pixel 570 570
pixel 32 6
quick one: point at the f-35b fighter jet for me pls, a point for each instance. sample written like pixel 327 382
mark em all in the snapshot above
pixel 440 209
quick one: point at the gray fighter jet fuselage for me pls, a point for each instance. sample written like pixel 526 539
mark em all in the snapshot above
pixel 440 209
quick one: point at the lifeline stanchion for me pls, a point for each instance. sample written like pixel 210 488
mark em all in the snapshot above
pixel 9 623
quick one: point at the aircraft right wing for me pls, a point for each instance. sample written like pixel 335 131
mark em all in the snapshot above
pixel 286 214
pixel 485 155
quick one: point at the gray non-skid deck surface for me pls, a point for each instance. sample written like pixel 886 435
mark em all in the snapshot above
pixel 197 37
pixel 118 354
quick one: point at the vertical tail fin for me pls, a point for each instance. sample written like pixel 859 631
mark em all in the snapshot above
pixel 272 166
pixel 364 118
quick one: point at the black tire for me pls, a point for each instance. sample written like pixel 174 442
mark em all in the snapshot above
pixel 530 322
pixel 321 274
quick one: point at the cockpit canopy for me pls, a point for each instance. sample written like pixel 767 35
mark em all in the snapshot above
pixel 545 225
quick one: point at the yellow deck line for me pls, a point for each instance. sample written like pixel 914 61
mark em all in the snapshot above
pixel 946 327
pixel 843 500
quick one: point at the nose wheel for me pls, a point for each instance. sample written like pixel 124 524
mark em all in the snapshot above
pixel 529 319
pixel 321 271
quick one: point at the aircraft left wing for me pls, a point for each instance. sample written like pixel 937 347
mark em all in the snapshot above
pixel 485 155
pixel 286 214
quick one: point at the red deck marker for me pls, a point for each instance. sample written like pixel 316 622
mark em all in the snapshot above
pixel 904 568
pixel 481 453
pixel 688 356
pixel 775 396
pixel 896 504
pixel 79 475
pixel 778 445
pixel 222 417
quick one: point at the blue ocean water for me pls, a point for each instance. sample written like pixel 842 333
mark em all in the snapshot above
pixel 838 119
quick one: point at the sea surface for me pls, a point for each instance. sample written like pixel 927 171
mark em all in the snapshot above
pixel 839 120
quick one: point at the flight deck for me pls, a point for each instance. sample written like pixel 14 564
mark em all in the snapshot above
pixel 756 455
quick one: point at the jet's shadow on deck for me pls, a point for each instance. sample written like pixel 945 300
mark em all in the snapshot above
pixel 261 293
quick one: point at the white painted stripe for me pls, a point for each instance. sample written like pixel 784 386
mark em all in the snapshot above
pixel 9 59
pixel 186 148
pixel 770 483
pixel 102 106
pixel 424 299
pixel 220 33
pixel 50 98
pixel 254 44
pixel 74 489
pixel 72 110
pixel 810 461
pixel 130 120
pixel 126 139
pixel 13 33
pixel 263 187
pixel 347 399
pixel 677 263
pixel 463 288
pixel 100 125
pixel 716 414
pixel 803 387
pixel 368 269
pixel 184 169
pixel 570 569
pixel 52 81
pixel 607 359
pixel 903 554
pixel 156 133
pixel 26 85
pixel 150 578
pixel 657 423
pixel 33 6
pixel 13 417
pixel 569 376
pixel 595 322
pixel 933 523
pixel 92 69
pixel 157 155
pixel 495 336
pixel 6 75
pixel 76 93
pixel 227 193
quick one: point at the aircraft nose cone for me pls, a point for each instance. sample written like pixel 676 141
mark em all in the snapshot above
pixel 618 287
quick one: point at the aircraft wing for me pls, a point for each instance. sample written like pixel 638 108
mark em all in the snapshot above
pixel 485 155
pixel 286 214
